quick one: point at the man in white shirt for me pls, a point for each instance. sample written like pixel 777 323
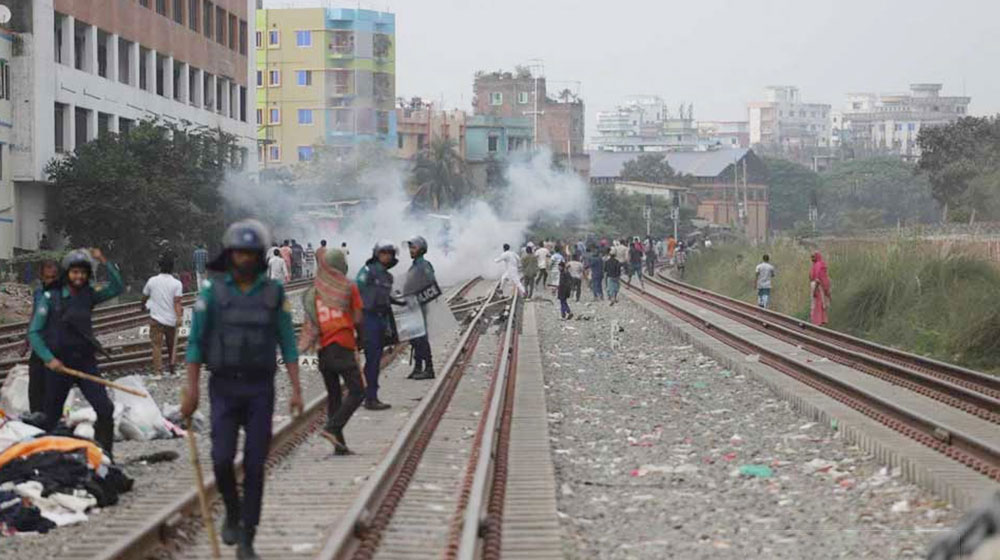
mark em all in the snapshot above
pixel 511 272
pixel 542 257
pixel 162 297
pixel 277 268
pixel 764 274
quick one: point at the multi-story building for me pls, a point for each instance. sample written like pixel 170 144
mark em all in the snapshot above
pixel 713 135
pixel 556 122
pixel 86 68
pixel 324 76
pixel 491 140
pixel 7 199
pixel 418 124
pixel 890 123
pixel 645 124
pixel 784 122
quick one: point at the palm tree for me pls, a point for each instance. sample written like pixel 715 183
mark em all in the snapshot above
pixel 440 175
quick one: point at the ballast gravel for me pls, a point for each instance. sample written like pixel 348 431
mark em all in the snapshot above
pixel 660 452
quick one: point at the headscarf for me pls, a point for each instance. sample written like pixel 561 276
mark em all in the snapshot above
pixel 818 273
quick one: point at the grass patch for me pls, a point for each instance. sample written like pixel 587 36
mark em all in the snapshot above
pixel 901 294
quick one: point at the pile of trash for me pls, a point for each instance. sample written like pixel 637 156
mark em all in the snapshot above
pixel 53 479
pixel 15 301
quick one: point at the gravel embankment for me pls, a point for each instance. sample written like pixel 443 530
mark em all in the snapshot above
pixel 662 453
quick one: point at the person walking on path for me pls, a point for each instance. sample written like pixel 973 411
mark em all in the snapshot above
pixel 48 278
pixel 596 265
pixel 62 334
pixel 764 274
pixel 635 263
pixel 200 259
pixel 510 271
pixel 819 288
pixel 421 283
pixel 671 248
pixel 333 311
pixel 651 258
pixel 297 254
pixel 286 253
pixel 575 269
pixel 309 260
pixel 529 267
pixel 613 272
pixel 375 284
pixel 277 270
pixel 542 256
pixel 563 292
pixel 240 321
pixel 322 250
pixel 162 297
pixel 680 258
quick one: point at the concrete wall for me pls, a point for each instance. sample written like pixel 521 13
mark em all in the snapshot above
pixel 7 196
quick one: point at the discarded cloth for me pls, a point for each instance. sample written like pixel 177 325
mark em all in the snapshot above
pixel 52 443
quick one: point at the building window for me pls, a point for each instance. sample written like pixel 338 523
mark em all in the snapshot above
pixel 220 26
pixel 144 3
pixel 179 11
pixel 522 97
pixel 234 30
pixel 206 24
pixel 274 38
pixel 259 39
pixel 303 77
pixel 274 116
pixel 260 152
pixel 496 98
pixel 193 10
pixel 399 141
pixel 243 37
pixel 303 39
pixel 161 7
pixel 260 78
pixel 274 78
pixel 260 116
pixel 274 153
pixel 493 144
pixel 305 116
pixel 4 80
pixel 899 127
pixel 911 126
pixel 305 153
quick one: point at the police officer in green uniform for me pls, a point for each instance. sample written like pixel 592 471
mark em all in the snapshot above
pixel 240 319
pixel 420 283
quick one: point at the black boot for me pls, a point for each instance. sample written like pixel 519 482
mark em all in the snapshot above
pixel 418 369
pixel 376 405
pixel 245 551
pixel 336 437
pixel 231 526
pixel 104 435
pixel 428 372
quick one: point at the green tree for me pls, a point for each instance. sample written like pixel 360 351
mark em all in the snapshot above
pixel 440 176
pixel 791 188
pixel 955 154
pixel 649 168
pixel 875 192
pixel 126 192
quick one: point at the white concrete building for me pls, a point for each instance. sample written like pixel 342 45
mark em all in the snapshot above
pixel 890 123
pixel 783 121
pixel 85 68
pixel 645 124
pixel 6 132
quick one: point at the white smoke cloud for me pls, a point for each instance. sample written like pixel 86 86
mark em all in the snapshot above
pixel 462 244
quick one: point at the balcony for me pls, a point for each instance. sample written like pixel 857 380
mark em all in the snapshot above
pixel 343 51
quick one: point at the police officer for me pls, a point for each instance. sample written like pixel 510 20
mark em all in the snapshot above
pixel 48 280
pixel 420 282
pixel 239 320
pixel 62 334
pixel 375 283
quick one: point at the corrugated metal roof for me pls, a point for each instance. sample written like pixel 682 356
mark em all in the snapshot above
pixel 698 164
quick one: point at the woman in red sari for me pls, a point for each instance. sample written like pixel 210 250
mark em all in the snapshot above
pixel 819 286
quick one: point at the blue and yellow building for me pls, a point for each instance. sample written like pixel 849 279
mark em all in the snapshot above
pixel 325 76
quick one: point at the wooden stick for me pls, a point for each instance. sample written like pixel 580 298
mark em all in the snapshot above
pixel 206 513
pixel 70 371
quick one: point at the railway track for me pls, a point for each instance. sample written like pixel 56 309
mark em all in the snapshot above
pixel 946 408
pixel 423 448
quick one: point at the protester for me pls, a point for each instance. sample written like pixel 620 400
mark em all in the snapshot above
pixel 596 265
pixel 162 297
pixel 48 281
pixel 680 258
pixel 309 260
pixel 635 262
pixel 297 254
pixel 422 284
pixel 62 334
pixel 286 253
pixel 277 270
pixel 563 291
pixel 671 247
pixel 375 283
pixel 322 250
pixel 651 258
pixel 510 271
pixel 819 288
pixel 575 269
pixel 240 320
pixel 529 267
pixel 613 272
pixel 764 274
pixel 333 309
pixel 542 256
pixel 200 259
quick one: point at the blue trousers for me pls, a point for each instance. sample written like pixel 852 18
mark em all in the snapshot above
pixel 597 286
pixel 57 388
pixel 373 329
pixel 564 307
pixel 246 403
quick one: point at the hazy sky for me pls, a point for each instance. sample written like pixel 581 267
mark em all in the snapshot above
pixel 717 54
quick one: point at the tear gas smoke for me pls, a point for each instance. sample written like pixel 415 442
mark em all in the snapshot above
pixel 463 242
